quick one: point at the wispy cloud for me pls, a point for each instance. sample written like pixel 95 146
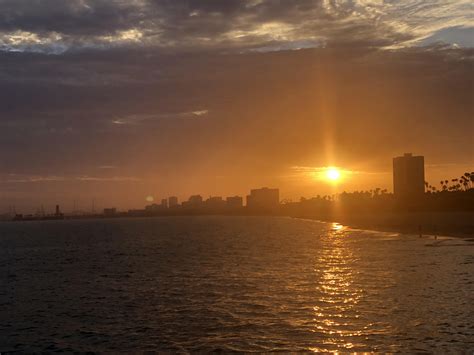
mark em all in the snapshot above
pixel 317 170
pixel 27 179
pixel 17 178
pixel 107 167
pixel 141 119
pixel 107 179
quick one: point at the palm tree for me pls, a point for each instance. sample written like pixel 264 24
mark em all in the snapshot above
pixel 470 179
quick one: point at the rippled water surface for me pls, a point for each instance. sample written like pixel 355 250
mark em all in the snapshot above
pixel 231 283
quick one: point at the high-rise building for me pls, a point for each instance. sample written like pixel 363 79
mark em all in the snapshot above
pixel 263 198
pixel 172 201
pixel 408 176
pixel 164 203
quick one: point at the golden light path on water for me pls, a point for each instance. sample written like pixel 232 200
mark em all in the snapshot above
pixel 337 314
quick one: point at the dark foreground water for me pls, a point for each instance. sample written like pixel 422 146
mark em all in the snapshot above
pixel 231 284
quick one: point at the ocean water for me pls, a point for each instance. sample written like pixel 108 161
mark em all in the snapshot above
pixel 231 284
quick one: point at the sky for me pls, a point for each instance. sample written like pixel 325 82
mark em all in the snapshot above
pixel 115 100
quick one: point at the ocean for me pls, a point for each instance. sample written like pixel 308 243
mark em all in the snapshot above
pixel 185 284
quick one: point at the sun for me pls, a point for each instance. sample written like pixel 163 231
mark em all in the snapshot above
pixel 333 174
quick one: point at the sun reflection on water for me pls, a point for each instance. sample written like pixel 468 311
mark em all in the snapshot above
pixel 336 311
pixel 337 227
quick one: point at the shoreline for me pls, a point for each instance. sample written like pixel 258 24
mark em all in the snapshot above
pixel 435 224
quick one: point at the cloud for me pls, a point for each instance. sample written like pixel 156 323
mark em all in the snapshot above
pixel 24 178
pixel 19 178
pixel 107 179
pixel 55 26
pixel 311 170
pixel 199 113
pixel 319 172
pixel 107 167
pixel 135 119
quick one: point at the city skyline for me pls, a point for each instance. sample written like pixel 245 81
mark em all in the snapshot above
pixel 408 181
pixel 332 176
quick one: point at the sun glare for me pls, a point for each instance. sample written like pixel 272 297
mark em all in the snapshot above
pixel 333 174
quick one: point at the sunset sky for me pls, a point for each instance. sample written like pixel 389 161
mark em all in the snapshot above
pixel 117 100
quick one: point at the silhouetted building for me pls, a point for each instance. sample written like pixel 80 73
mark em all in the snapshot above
pixel 172 201
pixel 153 208
pixel 194 201
pixel 264 199
pixel 110 211
pixel 215 203
pixel 164 203
pixel 234 202
pixel 408 175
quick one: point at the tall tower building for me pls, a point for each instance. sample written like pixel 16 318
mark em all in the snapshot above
pixel 408 176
